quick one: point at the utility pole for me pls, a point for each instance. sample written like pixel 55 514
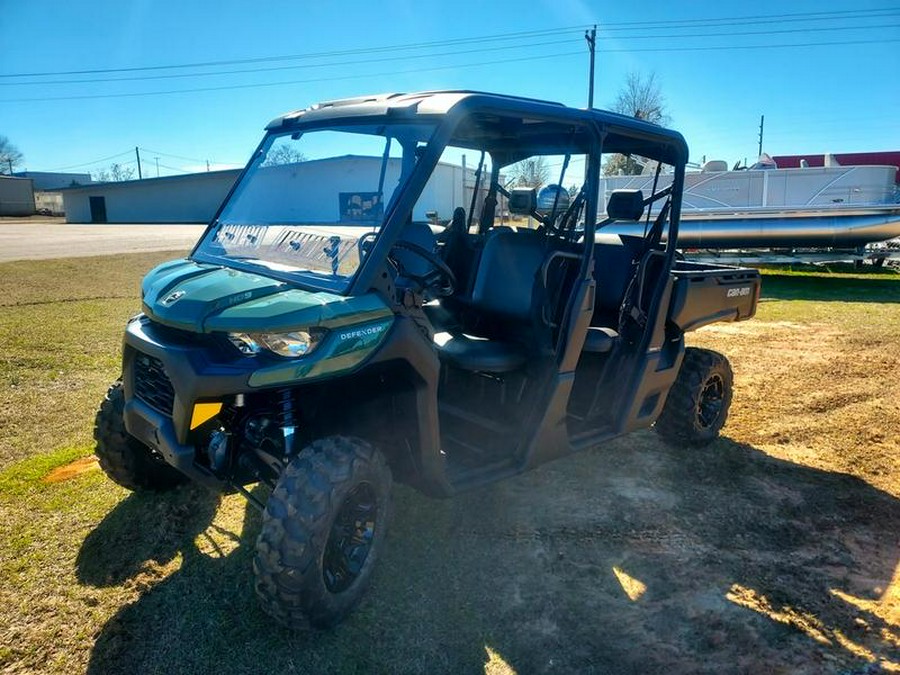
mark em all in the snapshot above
pixel 9 159
pixel 762 119
pixel 137 153
pixel 157 166
pixel 207 165
pixel 591 37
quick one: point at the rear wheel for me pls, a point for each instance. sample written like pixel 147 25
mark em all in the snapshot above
pixel 698 403
pixel 322 531
pixel 124 458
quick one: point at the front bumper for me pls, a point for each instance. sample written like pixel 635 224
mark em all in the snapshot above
pixel 197 370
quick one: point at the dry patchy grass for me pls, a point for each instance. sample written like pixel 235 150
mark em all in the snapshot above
pixel 60 331
pixel 774 550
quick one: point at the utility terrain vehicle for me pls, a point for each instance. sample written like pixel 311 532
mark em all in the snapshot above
pixel 386 294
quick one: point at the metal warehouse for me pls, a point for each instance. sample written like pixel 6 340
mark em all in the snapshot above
pixel 194 198
pixel 50 180
pixel 16 196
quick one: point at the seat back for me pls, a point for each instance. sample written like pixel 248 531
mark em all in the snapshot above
pixel 420 234
pixel 505 278
pixel 614 258
pixel 460 251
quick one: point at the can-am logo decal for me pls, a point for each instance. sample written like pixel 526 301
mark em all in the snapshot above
pixel 738 292
pixel 172 298
pixel 361 332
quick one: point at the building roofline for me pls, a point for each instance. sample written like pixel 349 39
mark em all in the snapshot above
pixel 147 181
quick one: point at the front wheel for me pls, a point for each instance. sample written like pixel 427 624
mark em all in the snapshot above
pixel 124 458
pixel 698 402
pixel 323 528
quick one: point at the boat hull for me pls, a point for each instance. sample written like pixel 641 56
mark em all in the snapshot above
pixel 830 207
pixel 833 228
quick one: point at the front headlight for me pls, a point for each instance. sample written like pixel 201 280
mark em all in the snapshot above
pixel 292 344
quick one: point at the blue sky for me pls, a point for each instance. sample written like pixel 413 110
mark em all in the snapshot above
pixel 840 94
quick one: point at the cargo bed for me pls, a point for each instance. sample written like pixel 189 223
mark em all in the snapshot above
pixel 703 293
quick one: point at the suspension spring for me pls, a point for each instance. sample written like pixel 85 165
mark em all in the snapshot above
pixel 287 422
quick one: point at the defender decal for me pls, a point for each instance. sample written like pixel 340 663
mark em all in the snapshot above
pixel 362 332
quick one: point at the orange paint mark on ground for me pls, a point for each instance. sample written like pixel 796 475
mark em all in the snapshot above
pixel 634 588
pixel 71 470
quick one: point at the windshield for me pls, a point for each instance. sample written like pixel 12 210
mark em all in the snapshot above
pixel 308 199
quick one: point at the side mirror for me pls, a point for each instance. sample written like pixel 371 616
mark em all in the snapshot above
pixel 522 201
pixel 625 205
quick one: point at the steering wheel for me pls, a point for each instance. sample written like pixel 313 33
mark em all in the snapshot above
pixel 364 244
pixel 441 272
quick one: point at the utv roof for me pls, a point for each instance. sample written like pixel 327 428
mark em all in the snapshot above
pixel 623 133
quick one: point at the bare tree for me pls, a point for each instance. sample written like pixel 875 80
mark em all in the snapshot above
pixel 115 173
pixel 283 154
pixel 10 157
pixel 641 97
pixel 531 172
pixel 623 165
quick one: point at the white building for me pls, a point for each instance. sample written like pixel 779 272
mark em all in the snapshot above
pixel 195 198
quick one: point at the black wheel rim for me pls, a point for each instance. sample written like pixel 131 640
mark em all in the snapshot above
pixel 350 539
pixel 712 400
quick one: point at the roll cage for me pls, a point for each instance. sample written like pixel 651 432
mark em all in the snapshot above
pixel 509 129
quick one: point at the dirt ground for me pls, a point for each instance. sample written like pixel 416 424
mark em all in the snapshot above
pixel 774 550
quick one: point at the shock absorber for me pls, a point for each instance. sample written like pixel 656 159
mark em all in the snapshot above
pixel 286 420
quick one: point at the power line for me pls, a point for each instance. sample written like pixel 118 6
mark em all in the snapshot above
pixel 757 19
pixel 96 161
pixel 130 162
pixel 761 32
pixel 424 56
pixel 309 55
pixel 169 154
pixel 289 82
pixel 446 67
pixel 193 159
pixel 172 168
pixel 294 67
pixel 740 47
pixel 646 25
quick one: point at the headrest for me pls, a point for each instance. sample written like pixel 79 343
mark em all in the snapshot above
pixel 522 201
pixel 458 222
pixel 625 205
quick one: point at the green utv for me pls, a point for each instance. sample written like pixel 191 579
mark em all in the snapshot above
pixel 388 293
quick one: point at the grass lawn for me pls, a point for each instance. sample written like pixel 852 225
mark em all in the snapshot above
pixel 774 550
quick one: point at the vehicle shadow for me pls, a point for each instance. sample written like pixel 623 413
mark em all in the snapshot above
pixel 144 531
pixel 824 288
pixel 634 558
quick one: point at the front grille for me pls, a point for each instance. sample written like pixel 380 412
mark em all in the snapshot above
pixel 175 336
pixel 152 385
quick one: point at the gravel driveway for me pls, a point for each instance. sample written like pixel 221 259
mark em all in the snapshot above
pixel 32 239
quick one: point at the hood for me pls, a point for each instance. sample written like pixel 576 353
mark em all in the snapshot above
pixel 204 298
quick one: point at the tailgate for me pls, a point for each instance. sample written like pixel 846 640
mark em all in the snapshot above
pixel 704 293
